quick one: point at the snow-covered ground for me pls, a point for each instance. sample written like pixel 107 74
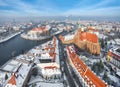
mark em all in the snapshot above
pixel 115 41
pixel 102 36
pixel 9 37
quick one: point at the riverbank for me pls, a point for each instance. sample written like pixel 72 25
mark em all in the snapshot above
pixel 9 37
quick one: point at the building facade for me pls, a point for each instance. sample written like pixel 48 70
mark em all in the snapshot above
pixel 84 40
pixel 114 56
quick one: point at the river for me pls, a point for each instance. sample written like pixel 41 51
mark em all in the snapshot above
pixel 15 47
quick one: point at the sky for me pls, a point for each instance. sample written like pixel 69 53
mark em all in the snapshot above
pixel 16 8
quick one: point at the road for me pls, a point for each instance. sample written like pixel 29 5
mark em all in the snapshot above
pixel 71 77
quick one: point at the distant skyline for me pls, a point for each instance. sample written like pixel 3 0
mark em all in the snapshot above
pixel 18 8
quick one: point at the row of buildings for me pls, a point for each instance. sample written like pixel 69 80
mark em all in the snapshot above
pixel 86 77
pixel 48 64
pixel 113 56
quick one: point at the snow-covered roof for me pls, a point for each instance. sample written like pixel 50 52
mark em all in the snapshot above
pixel 45 56
pixel 11 66
pixel 2 74
pixel 19 77
pixel 69 37
pixel 113 78
pixel 112 34
pixel 102 36
pixel 117 41
pixel 8 68
pixel 13 62
pixel 114 50
pixel 51 72
pixel 118 73
pixel 48 27
pixel 36 51
pixel 25 57
pixel 22 74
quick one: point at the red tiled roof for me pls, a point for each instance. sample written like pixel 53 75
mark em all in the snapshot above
pixel 89 37
pixel 12 80
pixel 50 67
pixel 114 54
pixel 85 36
pixel 52 54
pixel 84 71
pixel 39 29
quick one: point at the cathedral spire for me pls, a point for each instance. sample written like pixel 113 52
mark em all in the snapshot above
pixel 79 27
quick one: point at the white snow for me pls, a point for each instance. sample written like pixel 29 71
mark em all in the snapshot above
pixel 118 73
pixel 8 68
pixel 11 66
pixel 57 52
pixel 2 78
pixel 113 78
pixel 115 41
pixel 48 27
pixel 102 36
pixel 114 50
pixel 22 67
pixel 13 62
pixel 69 37
pixel 25 57
pixel 45 56
pixel 22 74
pixel 50 72
pixel 10 85
pixel 40 82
